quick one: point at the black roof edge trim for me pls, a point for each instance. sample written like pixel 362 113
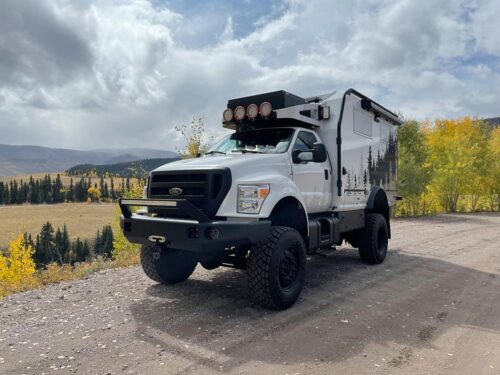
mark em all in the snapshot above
pixel 370 105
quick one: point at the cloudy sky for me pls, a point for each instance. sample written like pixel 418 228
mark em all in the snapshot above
pixel 121 73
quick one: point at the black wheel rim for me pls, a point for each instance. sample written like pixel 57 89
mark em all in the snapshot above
pixel 288 268
pixel 382 241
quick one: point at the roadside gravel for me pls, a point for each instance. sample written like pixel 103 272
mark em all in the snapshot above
pixel 432 307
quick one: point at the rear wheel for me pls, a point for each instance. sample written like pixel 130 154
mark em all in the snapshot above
pixel 276 269
pixel 374 239
pixel 166 266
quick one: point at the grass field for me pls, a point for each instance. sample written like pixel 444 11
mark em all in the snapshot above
pixel 65 179
pixel 82 219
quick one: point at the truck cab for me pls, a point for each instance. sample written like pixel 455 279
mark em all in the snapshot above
pixel 296 177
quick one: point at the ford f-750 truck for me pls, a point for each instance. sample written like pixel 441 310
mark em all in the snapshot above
pixel 296 177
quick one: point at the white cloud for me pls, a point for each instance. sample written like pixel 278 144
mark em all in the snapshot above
pixel 116 73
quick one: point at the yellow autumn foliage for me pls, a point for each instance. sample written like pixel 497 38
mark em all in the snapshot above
pixel 124 252
pixel 448 166
pixel 193 136
pixel 17 266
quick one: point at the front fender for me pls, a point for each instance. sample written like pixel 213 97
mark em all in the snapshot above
pixel 280 187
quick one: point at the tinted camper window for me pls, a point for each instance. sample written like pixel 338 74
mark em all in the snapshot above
pixel 362 123
pixel 385 132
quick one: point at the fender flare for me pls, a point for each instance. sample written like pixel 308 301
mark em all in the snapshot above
pixel 289 215
pixel 378 203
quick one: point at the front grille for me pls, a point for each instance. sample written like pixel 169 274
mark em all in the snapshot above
pixel 204 189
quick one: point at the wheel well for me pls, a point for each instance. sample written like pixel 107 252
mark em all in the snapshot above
pixel 289 212
pixel 378 203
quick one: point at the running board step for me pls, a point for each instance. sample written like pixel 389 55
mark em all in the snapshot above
pixel 326 252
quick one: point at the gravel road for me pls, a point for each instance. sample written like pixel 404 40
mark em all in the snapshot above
pixel 433 307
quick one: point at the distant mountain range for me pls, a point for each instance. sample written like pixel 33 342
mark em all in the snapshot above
pixel 136 168
pixel 16 160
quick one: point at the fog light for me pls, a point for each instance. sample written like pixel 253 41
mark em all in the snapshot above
pixel 213 233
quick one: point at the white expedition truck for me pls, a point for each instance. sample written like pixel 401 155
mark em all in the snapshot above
pixel 296 177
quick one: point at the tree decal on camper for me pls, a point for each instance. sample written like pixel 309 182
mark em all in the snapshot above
pixel 378 170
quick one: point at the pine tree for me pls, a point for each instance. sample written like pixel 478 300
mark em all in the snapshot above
pixel 113 193
pixel 45 244
pixel 58 190
pixel 107 242
pixel 58 246
pixel 85 250
pixel 98 243
pixel 2 193
pixel 81 250
pixel 71 191
pixel 101 185
pixel 105 192
pixel 66 245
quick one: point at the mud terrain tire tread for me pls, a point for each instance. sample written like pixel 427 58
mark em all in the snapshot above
pixel 370 249
pixel 262 269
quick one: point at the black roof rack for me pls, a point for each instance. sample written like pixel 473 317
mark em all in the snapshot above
pixel 278 99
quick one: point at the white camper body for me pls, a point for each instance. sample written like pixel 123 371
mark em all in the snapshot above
pixel 296 176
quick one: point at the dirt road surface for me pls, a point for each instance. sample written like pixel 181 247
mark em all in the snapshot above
pixel 432 308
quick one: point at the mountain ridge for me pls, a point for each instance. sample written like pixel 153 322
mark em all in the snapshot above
pixel 25 159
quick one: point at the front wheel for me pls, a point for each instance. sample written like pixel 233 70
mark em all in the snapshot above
pixel 374 239
pixel 166 266
pixel 276 269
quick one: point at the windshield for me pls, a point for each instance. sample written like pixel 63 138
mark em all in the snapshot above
pixel 262 141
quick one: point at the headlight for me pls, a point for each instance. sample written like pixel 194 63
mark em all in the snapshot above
pixel 251 197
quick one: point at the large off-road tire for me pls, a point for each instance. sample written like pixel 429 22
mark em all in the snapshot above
pixel 276 269
pixel 166 266
pixel 374 239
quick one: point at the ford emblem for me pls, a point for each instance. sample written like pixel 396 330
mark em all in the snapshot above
pixel 175 191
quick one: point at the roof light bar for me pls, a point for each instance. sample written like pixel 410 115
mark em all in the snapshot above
pixel 227 115
pixel 252 111
pixel 265 109
pixel 239 113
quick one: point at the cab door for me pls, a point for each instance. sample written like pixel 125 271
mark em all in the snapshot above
pixel 312 178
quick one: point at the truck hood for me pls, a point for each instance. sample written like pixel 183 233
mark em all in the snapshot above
pixel 234 162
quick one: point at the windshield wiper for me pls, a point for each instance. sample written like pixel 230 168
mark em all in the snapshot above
pixel 245 151
pixel 215 152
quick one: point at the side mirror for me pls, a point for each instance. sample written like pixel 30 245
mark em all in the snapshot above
pixel 319 153
pixel 300 156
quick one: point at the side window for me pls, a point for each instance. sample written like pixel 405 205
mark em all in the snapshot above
pixel 385 132
pixel 362 123
pixel 304 141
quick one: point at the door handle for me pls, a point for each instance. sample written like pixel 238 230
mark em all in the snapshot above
pixel 326 174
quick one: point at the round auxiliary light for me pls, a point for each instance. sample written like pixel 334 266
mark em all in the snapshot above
pixel 239 113
pixel 266 109
pixel 227 115
pixel 252 111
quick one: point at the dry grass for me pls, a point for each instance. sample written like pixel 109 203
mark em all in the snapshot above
pixel 65 179
pixel 82 219
pixel 55 274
